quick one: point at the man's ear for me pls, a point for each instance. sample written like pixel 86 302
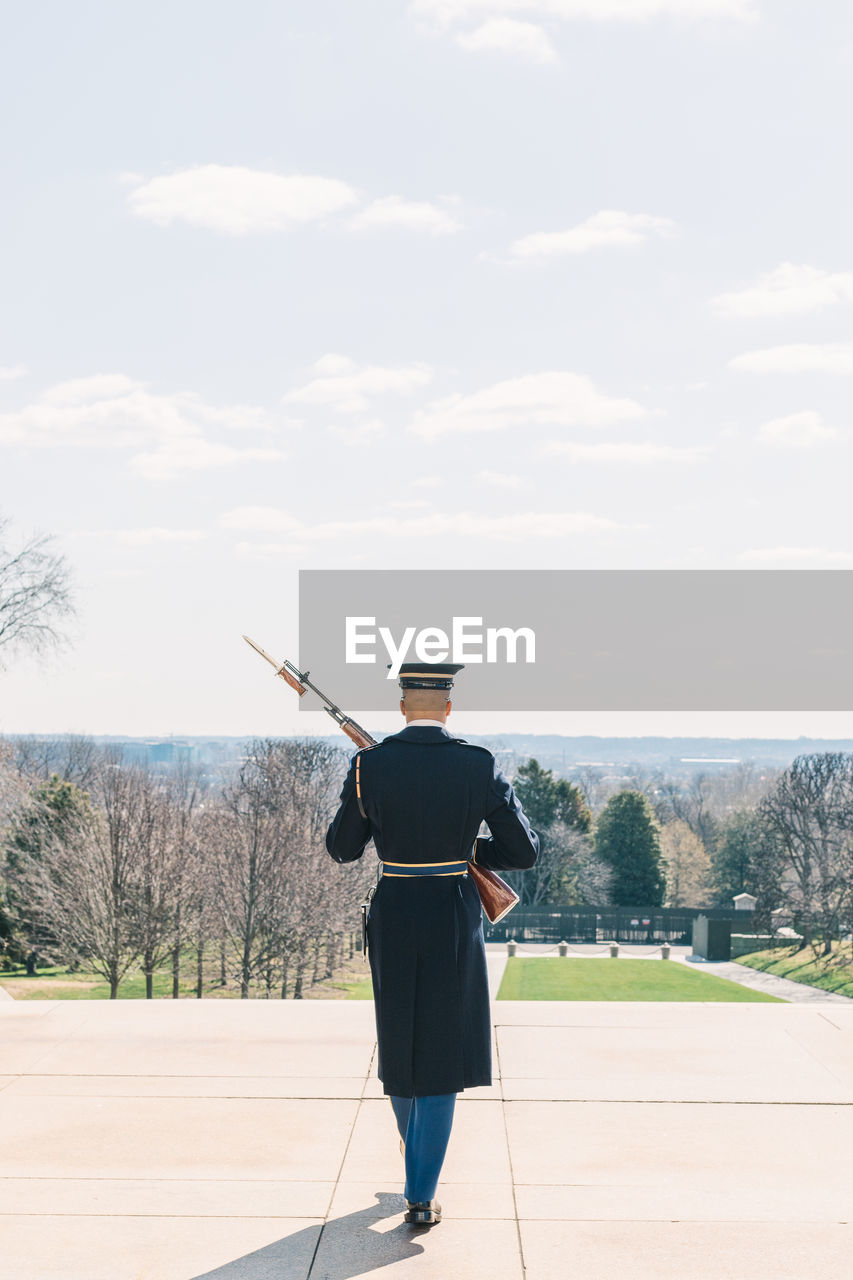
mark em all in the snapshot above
pixel 447 708
pixel 402 706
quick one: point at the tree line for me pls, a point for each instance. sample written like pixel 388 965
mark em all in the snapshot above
pixel 118 868
pixel 785 836
pixel 115 869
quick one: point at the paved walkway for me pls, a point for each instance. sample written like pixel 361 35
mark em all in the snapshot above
pixel 250 1140
pixel 795 992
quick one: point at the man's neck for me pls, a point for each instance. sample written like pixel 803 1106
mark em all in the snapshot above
pixel 440 724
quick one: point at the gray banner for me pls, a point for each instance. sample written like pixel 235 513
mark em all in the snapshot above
pixel 585 639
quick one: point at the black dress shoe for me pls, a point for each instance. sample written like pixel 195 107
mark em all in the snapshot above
pixel 423 1214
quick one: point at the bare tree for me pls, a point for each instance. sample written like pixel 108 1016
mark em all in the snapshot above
pixel 697 803
pixel 245 846
pixel 203 916
pixel 13 786
pixel 598 782
pixel 810 813
pixel 183 790
pixel 81 884
pixel 282 899
pixel 35 594
pixel 592 780
pixel 322 896
pixel 745 784
pixel 13 793
pixel 586 878
pixel 686 864
pixel 72 757
pixel 150 834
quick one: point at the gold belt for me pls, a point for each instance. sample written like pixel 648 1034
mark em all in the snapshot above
pixel 456 868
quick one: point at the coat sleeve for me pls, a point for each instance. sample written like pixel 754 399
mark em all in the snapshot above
pixel 513 844
pixel 348 832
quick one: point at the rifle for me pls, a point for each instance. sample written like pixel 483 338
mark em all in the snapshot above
pixel 498 898
pixel 299 681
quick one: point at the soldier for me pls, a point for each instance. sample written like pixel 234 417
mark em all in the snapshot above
pixel 421 794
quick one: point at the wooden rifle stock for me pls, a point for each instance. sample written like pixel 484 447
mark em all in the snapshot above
pixel 292 681
pixel 497 897
pixel 356 733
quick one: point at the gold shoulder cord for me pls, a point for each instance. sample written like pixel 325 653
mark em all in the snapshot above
pixel 358 785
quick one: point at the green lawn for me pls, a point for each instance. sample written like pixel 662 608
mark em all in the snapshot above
pixel 830 973
pixel 54 982
pixel 362 990
pixel 591 978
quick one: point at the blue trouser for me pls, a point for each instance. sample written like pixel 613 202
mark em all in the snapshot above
pixel 424 1124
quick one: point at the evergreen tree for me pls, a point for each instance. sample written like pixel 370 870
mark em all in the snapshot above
pixel 12 950
pixel 749 859
pixel 48 815
pixel 547 800
pixel 627 839
pixel 52 805
pixel 559 815
pixel 741 838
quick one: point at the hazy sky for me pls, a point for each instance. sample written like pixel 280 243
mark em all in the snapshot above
pixel 450 283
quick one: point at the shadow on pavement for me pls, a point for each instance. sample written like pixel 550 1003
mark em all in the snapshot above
pixel 348 1247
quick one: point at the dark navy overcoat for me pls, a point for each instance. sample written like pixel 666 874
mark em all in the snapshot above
pixel 425 794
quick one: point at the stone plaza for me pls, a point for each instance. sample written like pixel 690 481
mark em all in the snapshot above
pixel 250 1140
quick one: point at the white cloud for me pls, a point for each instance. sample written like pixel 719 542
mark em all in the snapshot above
pixel 406 215
pixel 237 200
pixel 259 520
pixel 359 432
pixel 626 451
pixel 461 524
pixel 112 411
pixel 144 537
pixel 9 372
pixel 192 453
pixel 332 365
pixel 99 386
pixel 797 554
pixel 798 431
pixel 523 40
pixel 234 417
pixel 352 389
pixel 445 13
pixel 501 480
pixel 788 290
pixel 567 399
pixel 609 228
pixel 798 357
pixel 107 410
pixel 148 537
